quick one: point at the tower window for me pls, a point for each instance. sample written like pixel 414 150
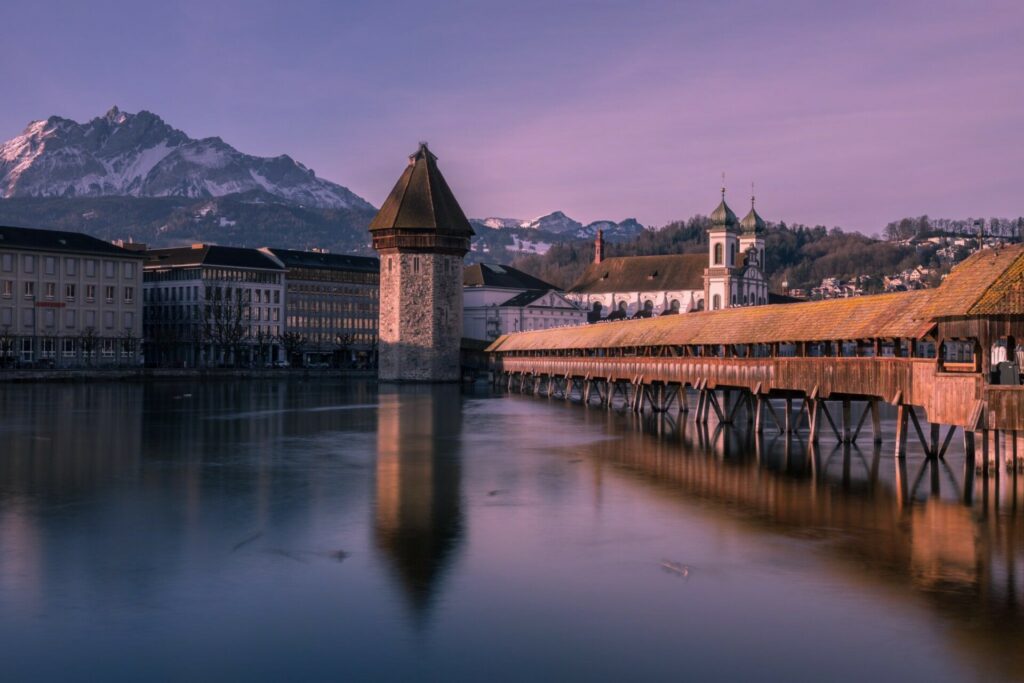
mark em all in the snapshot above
pixel 718 254
pixel 415 264
pixel 716 300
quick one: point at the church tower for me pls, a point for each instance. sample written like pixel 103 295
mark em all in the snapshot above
pixel 723 255
pixel 422 236
pixel 754 283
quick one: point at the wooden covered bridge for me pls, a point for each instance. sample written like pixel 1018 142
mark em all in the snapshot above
pixel 944 357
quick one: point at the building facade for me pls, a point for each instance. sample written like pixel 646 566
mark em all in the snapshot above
pixel 331 306
pixel 208 305
pixel 422 235
pixel 500 299
pixel 735 273
pixel 730 274
pixel 68 299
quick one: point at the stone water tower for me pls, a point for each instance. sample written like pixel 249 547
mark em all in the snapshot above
pixel 422 236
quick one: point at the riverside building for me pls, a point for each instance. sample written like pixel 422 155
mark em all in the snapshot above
pixel 501 299
pixel 68 299
pixel 331 306
pixel 209 305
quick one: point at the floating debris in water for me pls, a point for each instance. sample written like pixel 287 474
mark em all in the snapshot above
pixel 676 568
pixel 246 541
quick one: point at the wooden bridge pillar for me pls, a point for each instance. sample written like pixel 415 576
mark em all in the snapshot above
pixel 901 431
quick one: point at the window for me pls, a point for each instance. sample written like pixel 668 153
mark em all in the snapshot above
pixel 28 317
pixel 71 266
pixel 108 320
pixel 8 288
pixel 109 268
pixel 68 347
pixel 716 301
pixel 26 349
pixel 69 318
pixel 49 317
pixel 277 296
pixel 90 292
pixel 7 263
pixel 90 268
pixel 89 318
pixel 109 293
pixel 30 290
pixel 29 263
pixel 51 290
pixel 50 265
pixel 6 316
pixel 415 264
pixel 718 253
pixel 108 348
pixel 129 295
pixel 129 320
pixel 69 292
pixel 129 271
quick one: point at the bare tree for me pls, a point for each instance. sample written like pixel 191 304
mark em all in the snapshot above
pixel 225 323
pixel 263 341
pixel 6 347
pixel 88 340
pixel 293 343
pixel 342 343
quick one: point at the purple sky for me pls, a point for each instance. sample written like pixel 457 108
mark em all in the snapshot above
pixel 849 114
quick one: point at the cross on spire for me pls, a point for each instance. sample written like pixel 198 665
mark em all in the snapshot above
pixel 723 186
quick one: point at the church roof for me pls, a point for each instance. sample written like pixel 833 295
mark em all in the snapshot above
pixel 752 223
pixel 421 199
pixel 668 272
pixel 507 277
pixel 722 216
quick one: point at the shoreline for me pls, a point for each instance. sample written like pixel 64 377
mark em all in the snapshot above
pixel 163 374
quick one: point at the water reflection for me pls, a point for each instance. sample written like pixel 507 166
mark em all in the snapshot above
pixel 328 522
pixel 911 529
pixel 418 508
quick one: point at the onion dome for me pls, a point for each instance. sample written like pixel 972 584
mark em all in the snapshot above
pixel 752 223
pixel 723 217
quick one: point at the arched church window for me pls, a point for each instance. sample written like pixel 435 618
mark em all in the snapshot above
pixel 718 254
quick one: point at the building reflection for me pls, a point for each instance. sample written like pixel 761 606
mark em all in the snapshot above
pixel 949 537
pixel 418 521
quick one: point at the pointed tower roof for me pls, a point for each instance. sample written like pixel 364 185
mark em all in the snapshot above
pixel 422 200
pixel 752 223
pixel 723 217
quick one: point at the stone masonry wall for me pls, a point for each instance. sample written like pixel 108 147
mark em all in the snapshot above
pixel 420 317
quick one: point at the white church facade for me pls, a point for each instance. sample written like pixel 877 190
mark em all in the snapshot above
pixel 730 274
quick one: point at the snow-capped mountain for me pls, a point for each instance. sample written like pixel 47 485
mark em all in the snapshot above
pixel 139 155
pixel 558 223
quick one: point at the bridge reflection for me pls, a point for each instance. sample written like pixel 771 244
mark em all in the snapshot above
pixel 905 526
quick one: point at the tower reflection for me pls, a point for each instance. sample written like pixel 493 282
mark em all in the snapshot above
pixel 418 522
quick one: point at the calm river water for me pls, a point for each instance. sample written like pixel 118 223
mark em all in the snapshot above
pixel 336 531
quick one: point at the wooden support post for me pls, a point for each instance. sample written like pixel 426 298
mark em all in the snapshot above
pixel 876 422
pixel 683 397
pixel 831 422
pixel 901 431
pixel 789 415
pixel 812 437
pixel 758 414
pixel 847 434
pixel 917 428
pixel 933 446
pixel 717 408
pixel 947 441
pixel 860 423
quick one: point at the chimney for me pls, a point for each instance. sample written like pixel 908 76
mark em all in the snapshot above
pixel 599 247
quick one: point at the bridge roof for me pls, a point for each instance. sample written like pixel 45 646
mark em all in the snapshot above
pixel 989 282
